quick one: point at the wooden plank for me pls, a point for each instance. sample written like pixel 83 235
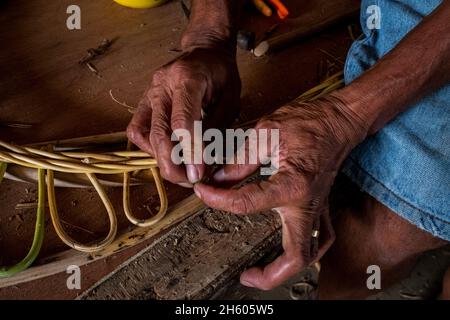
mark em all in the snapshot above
pixel 195 260
pixel 42 82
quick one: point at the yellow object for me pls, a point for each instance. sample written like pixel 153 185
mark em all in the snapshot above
pixel 140 4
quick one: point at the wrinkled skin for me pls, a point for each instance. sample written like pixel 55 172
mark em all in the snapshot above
pixel 314 140
pixel 178 92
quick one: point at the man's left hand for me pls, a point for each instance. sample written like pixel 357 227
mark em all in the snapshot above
pixel 315 138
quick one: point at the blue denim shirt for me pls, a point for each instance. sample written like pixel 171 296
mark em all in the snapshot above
pixel 406 165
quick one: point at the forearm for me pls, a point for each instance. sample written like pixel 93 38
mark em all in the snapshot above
pixel 419 65
pixel 212 23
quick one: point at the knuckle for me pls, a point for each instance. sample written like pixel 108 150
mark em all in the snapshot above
pixel 132 131
pixel 181 72
pixel 166 173
pixel 267 123
pixel 158 76
pixel 185 76
pixel 242 204
pixel 155 138
pixel 158 131
pixel 237 205
pixel 144 103
pixel 171 175
pixel 154 94
pixel 179 120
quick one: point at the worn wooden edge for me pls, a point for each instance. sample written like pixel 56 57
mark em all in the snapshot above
pixel 266 249
pixel 85 293
pixel 110 275
pixel 267 245
pixel 59 262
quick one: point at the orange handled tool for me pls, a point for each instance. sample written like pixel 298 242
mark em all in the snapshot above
pixel 263 7
pixel 282 11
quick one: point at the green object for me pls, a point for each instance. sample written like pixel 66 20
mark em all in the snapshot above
pixel 38 231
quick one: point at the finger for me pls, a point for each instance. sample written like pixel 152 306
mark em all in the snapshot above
pixel 160 139
pixel 234 173
pixel 250 198
pixel 138 130
pixel 296 232
pixel 240 167
pixel 186 109
pixel 255 150
pixel 272 275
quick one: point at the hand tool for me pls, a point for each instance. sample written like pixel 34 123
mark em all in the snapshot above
pixel 305 26
pixel 282 11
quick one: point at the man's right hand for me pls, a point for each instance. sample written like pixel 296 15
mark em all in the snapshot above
pixel 201 78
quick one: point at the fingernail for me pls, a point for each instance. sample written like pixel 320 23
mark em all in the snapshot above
pixel 197 192
pixel 192 174
pixel 185 185
pixel 247 284
pixel 219 175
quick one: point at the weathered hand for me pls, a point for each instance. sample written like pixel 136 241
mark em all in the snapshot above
pixel 314 140
pixel 201 78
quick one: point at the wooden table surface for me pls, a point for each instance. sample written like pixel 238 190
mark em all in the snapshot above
pixel 43 85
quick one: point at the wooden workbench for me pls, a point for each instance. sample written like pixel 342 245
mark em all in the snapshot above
pixel 43 85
